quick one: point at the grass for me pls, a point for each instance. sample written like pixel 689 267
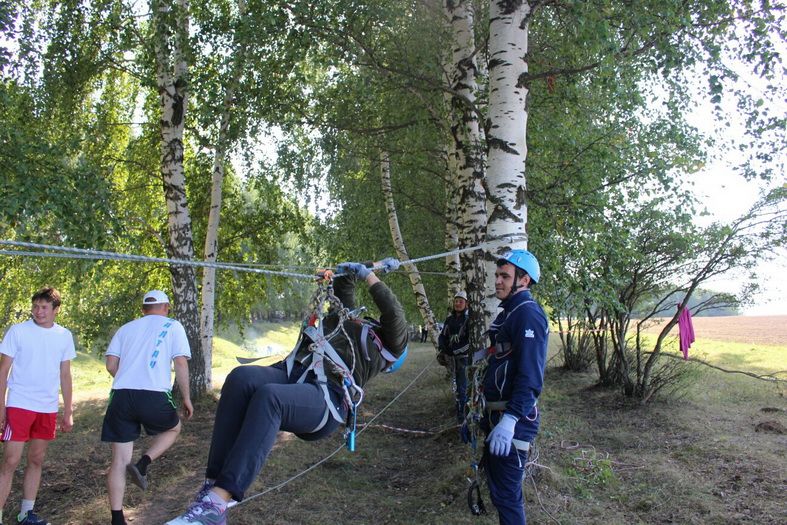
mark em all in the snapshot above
pixel 91 380
pixel 757 358
pixel 603 459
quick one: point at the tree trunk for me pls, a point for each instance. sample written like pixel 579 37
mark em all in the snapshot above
pixel 171 26
pixel 452 263
pixel 468 159
pixel 211 253
pixel 421 300
pixel 212 233
pixel 507 124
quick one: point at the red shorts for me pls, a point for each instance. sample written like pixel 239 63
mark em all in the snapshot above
pixel 24 425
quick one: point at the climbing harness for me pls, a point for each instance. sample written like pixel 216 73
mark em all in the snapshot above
pixel 477 407
pixel 314 351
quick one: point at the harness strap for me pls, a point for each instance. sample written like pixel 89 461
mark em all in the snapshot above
pixel 364 334
pixel 496 405
pixel 519 444
pixel 524 446
pixel 290 361
pixel 320 349
pixel 500 406
pixel 461 350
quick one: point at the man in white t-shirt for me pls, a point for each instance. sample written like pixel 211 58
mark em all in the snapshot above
pixel 139 358
pixel 38 354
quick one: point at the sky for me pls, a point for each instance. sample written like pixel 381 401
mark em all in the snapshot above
pixel 727 195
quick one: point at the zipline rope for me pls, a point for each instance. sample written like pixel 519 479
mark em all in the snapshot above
pixel 82 253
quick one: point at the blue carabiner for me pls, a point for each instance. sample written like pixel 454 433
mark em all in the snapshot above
pixel 351 433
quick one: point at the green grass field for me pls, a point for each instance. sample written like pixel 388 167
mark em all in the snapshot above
pixel 711 456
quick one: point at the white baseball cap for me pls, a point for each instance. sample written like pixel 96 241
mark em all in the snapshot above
pixel 461 294
pixel 155 297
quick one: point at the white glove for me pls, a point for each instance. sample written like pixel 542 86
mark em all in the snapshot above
pixel 500 438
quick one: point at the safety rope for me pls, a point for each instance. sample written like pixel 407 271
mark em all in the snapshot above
pixel 90 254
pixel 80 253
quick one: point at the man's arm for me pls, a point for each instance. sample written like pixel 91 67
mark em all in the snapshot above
pixel 182 379
pixel 393 325
pixel 113 363
pixel 66 389
pixel 531 331
pixel 5 367
pixel 442 339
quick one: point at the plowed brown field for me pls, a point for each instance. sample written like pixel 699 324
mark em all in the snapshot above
pixel 766 330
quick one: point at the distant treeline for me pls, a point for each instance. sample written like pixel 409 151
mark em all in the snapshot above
pixel 697 298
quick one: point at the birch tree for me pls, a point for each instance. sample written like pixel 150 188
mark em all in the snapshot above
pixel 401 250
pixel 170 21
pixel 507 122
pixel 211 248
pixel 467 193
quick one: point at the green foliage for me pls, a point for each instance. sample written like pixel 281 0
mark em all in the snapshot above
pixel 334 84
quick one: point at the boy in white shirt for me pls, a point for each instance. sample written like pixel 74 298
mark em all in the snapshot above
pixel 38 354
pixel 139 357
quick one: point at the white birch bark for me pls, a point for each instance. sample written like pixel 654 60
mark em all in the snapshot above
pixel 207 313
pixel 171 28
pixel 452 264
pixel 507 115
pixel 421 300
pixel 469 194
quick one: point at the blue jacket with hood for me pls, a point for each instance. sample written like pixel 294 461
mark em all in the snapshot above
pixel 515 372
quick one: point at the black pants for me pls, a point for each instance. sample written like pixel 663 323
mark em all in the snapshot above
pixel 256 402
pixel 460 376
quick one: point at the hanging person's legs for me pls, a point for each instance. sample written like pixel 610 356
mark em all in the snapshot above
pixel 236 394
pixel 252 409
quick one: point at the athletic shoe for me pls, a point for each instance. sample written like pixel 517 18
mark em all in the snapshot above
pixel 32 519
pixel 136 476
pixel 206 486
pixel 202 513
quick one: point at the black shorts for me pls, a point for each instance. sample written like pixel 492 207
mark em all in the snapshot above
pixel 128 410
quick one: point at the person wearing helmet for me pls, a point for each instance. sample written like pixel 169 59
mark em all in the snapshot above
pixel 300 394
pixel 454 346
pixel 512 382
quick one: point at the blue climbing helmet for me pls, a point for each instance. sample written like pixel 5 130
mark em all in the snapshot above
pixel 524 260
pixel 396 364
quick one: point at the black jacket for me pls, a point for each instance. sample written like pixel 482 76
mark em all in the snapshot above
pixel 455 337
pixel 391 331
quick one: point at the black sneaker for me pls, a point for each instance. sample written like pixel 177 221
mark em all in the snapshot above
pixel 136 476
pixel 32 519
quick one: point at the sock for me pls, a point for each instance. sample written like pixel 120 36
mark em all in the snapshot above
pixel 118 518
pixel 142 464
pixel 217 500
pixel 27 505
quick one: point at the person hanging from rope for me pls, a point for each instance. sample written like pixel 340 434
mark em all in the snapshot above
pixel 310 393
pixel 454 345
pixel 512 383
